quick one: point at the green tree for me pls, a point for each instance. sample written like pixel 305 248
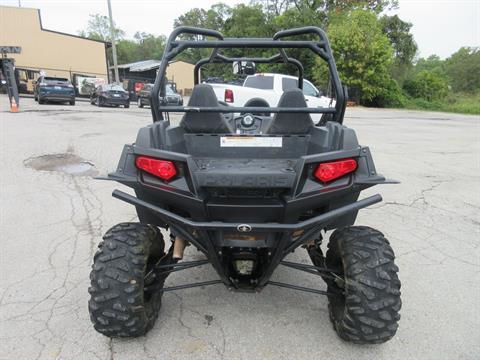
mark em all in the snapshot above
pixel 324 8
pixel 149 46
pixel 427 85
pixel 247 21
pixel 432 63
pixel 126 52
pixel 213 18
pixel 363 54
pixel 145 46
pixel 98 28
pixel 404 46
pixel 398 32
pixel 463 70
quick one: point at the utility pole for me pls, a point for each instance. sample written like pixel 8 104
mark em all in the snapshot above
pixel 114 47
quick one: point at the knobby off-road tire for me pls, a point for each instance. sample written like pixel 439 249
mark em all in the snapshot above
pixel 367 313
pixel 118 305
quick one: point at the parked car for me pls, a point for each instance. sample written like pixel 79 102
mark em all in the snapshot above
pixel 110 95
pixel 144 95
pixel 172 97
pixel 269 88
pixel 56 89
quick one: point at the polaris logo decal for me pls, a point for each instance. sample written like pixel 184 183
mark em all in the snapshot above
pixel 244 228
pixel 261 181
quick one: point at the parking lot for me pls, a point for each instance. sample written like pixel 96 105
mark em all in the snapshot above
pixel 53 214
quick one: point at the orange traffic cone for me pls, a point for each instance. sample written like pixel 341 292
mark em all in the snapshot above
pixel 13 106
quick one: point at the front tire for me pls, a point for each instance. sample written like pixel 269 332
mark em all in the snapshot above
pixel 72 102
pixel 118 306
pixel 366 311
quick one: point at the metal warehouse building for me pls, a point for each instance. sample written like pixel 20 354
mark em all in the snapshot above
pixel 178 72
pixel 50 52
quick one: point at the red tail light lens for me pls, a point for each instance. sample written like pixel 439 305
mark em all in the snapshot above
pixel 329 171
pixel 228 96
pixel 163 169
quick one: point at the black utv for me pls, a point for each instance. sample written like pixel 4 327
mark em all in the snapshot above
pixel 246 186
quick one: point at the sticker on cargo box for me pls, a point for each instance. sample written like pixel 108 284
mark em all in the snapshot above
pixel 250 141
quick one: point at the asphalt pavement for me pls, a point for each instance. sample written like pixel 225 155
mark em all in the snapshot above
pixel 53 214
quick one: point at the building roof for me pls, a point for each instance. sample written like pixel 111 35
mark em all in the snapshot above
pixel 141 65
pixel 144 65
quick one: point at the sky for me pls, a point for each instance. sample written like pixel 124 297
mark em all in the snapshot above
pixel 440 27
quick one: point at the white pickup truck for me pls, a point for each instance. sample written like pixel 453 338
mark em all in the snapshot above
pixel 270 87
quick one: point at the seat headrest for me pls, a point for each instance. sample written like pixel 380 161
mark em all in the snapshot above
pixel 258 102
pixel 203 95
pixel 205 123
pixel 291 123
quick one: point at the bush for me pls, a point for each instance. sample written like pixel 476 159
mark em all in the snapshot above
pixel 426 85
pixel 391 96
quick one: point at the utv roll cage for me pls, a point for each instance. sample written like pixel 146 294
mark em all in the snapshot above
pixel 320 47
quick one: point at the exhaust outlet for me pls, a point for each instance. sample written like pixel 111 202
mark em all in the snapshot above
pixel 178 248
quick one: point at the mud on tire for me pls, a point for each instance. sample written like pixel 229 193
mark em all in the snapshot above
pixel 118 305
pixel 368 311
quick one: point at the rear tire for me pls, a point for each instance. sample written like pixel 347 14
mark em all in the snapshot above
pixel 126 106
pixel 140 103
pixel 118 306
pixel 367 310
pixel 72 102
pixel 41 101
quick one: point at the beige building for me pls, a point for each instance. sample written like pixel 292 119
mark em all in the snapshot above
pixel 50 52
pixel 181 73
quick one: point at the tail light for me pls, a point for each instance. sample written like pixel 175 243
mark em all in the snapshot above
pixel 329 171
pixel 228 96
pixel 139 86
pixel 164 169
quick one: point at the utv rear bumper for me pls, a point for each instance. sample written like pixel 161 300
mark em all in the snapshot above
pixel 280 239
pixel 321 220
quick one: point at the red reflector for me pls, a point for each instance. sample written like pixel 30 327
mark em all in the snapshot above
pixel 326 172
pixel 228 95
pixel 163 169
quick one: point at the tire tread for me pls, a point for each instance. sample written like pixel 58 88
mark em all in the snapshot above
pixel 372 302
pixel 117 302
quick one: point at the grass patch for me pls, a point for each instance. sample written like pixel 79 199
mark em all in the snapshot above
pixel 456 103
